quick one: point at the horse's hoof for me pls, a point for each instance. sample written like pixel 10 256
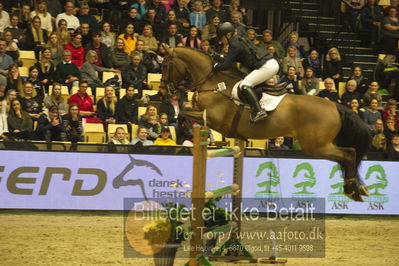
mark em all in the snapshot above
pixel 364 190
pixel 354 196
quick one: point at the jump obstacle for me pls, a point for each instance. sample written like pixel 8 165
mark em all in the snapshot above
pixel 201 154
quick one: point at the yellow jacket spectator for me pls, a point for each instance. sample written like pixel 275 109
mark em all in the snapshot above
pixel 164 138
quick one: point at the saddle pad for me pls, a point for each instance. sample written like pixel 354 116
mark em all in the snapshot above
pixel 268 102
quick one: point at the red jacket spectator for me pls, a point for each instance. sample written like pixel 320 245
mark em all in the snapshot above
pixel 77 54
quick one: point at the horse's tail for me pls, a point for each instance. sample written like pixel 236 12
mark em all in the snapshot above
pixel 354 133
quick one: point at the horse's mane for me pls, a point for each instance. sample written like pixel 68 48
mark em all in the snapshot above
pixel 233 73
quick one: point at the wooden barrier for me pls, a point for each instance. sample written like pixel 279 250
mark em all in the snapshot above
pixel 235 251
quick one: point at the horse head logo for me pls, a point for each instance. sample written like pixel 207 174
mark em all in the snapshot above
pixel 339 186
pixel 306 172
pixel 119 180
pixel 377 173
pixel 272 174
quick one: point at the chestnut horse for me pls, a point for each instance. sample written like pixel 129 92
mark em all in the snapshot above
pixel 324 129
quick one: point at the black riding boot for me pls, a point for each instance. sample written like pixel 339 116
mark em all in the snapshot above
pixel 258 112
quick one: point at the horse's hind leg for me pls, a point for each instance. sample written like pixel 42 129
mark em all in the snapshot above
pixel 346 158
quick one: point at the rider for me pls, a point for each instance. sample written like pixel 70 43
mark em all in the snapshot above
pixel 262 66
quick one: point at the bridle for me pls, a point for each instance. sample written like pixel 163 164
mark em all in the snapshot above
pixel 170 85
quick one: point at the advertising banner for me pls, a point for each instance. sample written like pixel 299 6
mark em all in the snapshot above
pixel 100 181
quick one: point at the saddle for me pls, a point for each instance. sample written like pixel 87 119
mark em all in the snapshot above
pixel 278 90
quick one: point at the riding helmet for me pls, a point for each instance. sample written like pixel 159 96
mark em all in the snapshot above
pixel 225 28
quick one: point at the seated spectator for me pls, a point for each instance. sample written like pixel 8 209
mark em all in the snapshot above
pixel 371 114
pixel 271 51
pixel 393 149
pixel 128 38
pixel 31 103
pixel 85 17
pixel 292 80
pixel 119 58
pixel 292 59
pixel 24 16
pixel 268 40
pixel 310 84
pixel 151 110
pixel 163 120
pixel 234 6
pixel 354 8
pixel 164 138
pixel 106 107
pixel 354 106
pixel 4 18
pixel 86 32
pixel 126 109
pixel 159 9
pixel 197 16
pixel 5 62
pixel 210 30
pixel 133 17
pixel 361 81
pixel 150 18
pixel 141 138
pixel 371 17
pixel 390 110
pixel 329 93
pixel 378 143
pixel 236 20
pixel 69 16
pixel 46 68
pixel 333 66
pixel 103 53
pixel 107 37
pixel 251 35
pixel 3 123
pixel 171 107
pixel 55 47
pixel 18 34
pixel 152 124
pixel 150 42
pixel 390 128
pixel 66 72
pixel 64 37
pixel 394 4
pixel 206 48
pixel 372 93
pixel 83 101
pixel 55 99
pixel 147 58
pixel 6 102
pixel 36 37
pixel 119 137
pixel 77 50
pixel 313 61
pixel 216 9
pixel 278 144
pixel 90 71
pixel 351 93
pixel 45 17
pixel 293 41
pixel 172 38
pixel 50 127
pixel 73 124
pixel 192 40
pixel 19 123
pixel 377 128
pixel 136 74
pixel 389 32
pixel 14 80
pixel 37 84
pixel 12 48
pixel 171 19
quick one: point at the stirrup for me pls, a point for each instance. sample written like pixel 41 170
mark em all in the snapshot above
pixel 255 117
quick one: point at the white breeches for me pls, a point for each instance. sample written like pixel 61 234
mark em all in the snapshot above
pixel 265 72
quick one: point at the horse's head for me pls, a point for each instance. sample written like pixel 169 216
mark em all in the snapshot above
pixel 174 70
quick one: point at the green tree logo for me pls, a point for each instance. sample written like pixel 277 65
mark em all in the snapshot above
pixel 273 179
pixel 381 182
pixel 305 170
pixel 340 186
